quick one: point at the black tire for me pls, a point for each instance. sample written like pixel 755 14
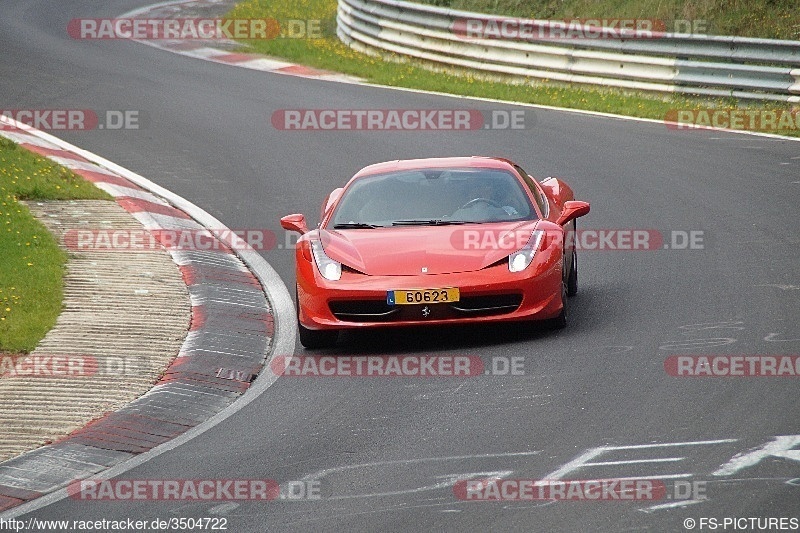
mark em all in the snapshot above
pixel 560 322
pixel 572 281
pixel 317 338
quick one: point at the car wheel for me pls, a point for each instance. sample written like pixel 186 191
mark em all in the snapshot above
pixel 560 322
pixel 317 338
pixel 572 281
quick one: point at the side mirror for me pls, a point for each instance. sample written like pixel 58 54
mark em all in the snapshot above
pixel 295 222
pixel 572 210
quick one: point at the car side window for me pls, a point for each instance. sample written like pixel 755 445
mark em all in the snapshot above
pixel 537 194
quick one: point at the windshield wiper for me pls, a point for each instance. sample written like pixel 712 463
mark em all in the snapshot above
pixel 356 225
pixel 428 222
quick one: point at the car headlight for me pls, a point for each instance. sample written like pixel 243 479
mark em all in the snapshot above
pixel 519 260
pixel 328 268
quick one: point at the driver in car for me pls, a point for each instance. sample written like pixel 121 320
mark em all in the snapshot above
pixel 483 189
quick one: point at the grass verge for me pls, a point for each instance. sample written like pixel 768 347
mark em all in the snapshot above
pixel 31 263
pixel 330 54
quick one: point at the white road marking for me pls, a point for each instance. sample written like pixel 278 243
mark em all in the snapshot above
pixel 771 338
pixel 223 509
pixel 585 458
pixel 671 505
pixel 781 446
pixel 698 343
pixel 327 471
pixel 447 480
pixel 634 461
pixel 780 286
pixel 729 324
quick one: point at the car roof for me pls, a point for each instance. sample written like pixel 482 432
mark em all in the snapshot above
pixel 435 162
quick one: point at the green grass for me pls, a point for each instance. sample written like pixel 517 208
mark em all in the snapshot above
pixel 770 19
pixel 31 263
pixel 329 53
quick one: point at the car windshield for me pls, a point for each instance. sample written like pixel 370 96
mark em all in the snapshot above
pixel 432 197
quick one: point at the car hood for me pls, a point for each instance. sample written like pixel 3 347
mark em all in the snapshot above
pixel 406 250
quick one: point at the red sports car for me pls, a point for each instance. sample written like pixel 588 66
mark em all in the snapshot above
pixel 436 241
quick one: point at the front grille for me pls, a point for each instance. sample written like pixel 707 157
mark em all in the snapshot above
pixel 492 304
pixel 380 311
pixel 363 310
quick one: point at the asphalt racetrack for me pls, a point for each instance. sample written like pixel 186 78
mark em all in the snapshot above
pixel 594 400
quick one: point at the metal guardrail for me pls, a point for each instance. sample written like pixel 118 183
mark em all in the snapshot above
pixel 759 69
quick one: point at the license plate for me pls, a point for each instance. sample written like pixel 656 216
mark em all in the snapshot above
pixel 422 296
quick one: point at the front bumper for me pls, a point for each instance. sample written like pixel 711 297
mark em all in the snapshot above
pixel 493 294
